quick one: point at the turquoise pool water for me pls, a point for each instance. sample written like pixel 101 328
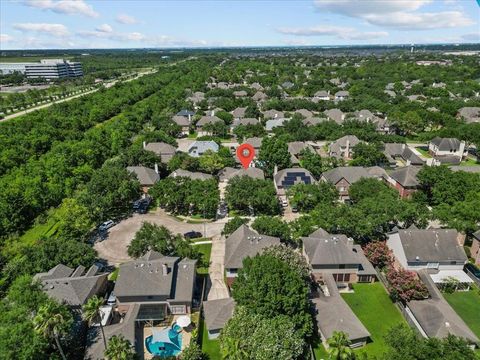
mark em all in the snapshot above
pixel 166 349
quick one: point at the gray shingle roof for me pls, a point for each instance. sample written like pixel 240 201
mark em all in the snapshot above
pixel 71 287
pixel 273 114
pixel 181 120
pixel 394 150
pixel 204 120
pixel 438 245
pixel 270 124
pixel 239 112
pixel 406 176
pixel 145 277
pixel 145 176
pixel 350 173
pixel 342 93
pixel 166 151
pixel 329 250
pixel 312 121
pixel 259 96
pixel 335 147
pixel 436 316
pixel 190 174
pixel 185 113
pixel 333 314
pixel 287 177
pixel 197 148
pixel 446 144
pixel 229 172
pixel 336 115
pixel 470 114
pixel 304 112
pixel 296 147
pixel 256 142
pixel 218 312
pixel 245 121
pixel 245 242
pixel 321 93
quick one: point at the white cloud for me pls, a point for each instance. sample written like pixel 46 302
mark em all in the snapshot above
pixel 339 32
pixel 4 38
pixel 105 28
pixel 69 7
pixel 57 30
pixel 296 42
pixel 126 19
pixel 398 14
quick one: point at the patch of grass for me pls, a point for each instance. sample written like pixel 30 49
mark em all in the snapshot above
pixel 113 276
pixel 373 307
pixel 192 136
pixel 469 162
pixel 467 305
pixel 320 352
pixel 424 152
pixel 209 347
pixel 205 250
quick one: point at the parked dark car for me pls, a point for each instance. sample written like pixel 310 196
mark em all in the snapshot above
pixel 141 205
pixel 192 235
pixel 473 270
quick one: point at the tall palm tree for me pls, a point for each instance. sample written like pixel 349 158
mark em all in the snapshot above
pixel 119 348
pixel 339 347
pixel 52 321
pixel 91 313
pixel 232 350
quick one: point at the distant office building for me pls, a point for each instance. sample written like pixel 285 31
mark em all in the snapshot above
pixel 47 68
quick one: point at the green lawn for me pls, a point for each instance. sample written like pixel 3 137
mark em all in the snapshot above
pixel 469 162
pixel 467 306
pixel 423 152
pixel 205 250
pixel 372 305
pixel 113 276
pixel 320 352
pixel 209 347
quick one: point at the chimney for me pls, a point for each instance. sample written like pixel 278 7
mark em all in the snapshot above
pixel 213 112
pixel 156 168
pixel 275 170
pixel 189 118
pixel 461 238
pixel 164 269
pixel 144 144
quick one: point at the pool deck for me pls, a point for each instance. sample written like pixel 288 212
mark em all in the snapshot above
pixel 147 331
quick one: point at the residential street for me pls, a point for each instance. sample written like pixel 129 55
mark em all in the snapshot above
pixel 114 248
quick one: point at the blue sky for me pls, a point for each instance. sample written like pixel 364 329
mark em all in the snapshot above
pixel 38 24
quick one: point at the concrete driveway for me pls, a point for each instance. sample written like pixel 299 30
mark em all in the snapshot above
pixel 217 287
pixel 114 248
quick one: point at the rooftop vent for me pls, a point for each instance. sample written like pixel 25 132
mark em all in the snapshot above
pixel 417 258
pixel 164 269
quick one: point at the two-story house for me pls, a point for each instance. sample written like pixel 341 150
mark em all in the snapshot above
pixel 244 242
pixel 447 150
pixel 343 148
pixel 336 254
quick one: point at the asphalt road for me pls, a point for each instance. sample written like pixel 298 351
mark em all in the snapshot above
pixel 114 248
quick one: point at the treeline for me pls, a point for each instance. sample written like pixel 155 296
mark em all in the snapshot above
pixel 30 189
pixel 34 134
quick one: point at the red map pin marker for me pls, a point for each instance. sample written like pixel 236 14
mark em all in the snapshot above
pixel 245 153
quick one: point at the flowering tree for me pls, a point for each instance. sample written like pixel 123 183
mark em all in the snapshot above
pixel 404 285
pixel 378 253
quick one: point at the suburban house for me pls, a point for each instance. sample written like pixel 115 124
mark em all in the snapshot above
pixel 240 93
pixel 273 114
pixel 286 178
pixel 217 313
pixel 146 176
pixel 207 120
pixel 404 180
pixel 447 150
pixel 343 148
pixel 401 155
pixel 183 122
pixel 333 314
pixel 312 121
pixel 148 290
pixel 475 248
pixel 273 123
pixel 243 242
pixel 336 115
pixel 440 251
pixel 321 95
pixel 469 114
pixel 365 116
pixel 335 254
pixel 342 95
pixel 198 148
pixel 295 148
pixel 256 142
pixel 196 97
pixel 191 175
pixel 164 150
pixel 239 112
pixel 73 286
pixel 304 112
pixel 245 122
pixel 343 177
pixel 163 284
pixel 259 96
pixel 228 173
pixel 434 317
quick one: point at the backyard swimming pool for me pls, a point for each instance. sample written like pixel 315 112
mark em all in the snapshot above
pixel 165 343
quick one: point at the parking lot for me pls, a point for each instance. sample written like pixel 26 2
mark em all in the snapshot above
pixel 114 247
